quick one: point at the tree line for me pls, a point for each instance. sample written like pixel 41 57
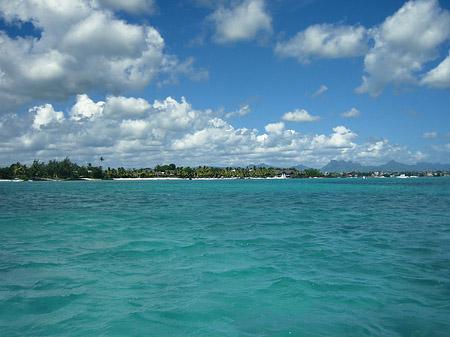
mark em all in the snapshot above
pixel 54 169
pixel 68 170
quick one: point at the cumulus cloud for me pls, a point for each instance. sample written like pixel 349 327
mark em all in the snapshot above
pixel 276 128
pixel 217 131
pixel 125 107
pixel 324 41
pixel 86 108
pixel 404 42
pixel 383 149
pixel 134 129
pixel 352 113
pixel 44 115
pixel 176 116
pixel 429 135
pixel 341 138
pixel 300 116
pixel 81 45
pixel 241 22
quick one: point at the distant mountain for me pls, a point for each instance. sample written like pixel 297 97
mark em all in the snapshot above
pixel 261 165
pixel 301 167
pixel 392 166
pixel 350 166
pixel 422 166
pixel 342 166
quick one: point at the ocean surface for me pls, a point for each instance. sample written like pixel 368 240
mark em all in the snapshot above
pixel 307 257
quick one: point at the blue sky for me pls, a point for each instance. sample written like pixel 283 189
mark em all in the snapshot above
pixel 226 82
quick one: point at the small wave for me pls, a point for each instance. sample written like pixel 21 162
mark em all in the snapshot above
pixel 37 305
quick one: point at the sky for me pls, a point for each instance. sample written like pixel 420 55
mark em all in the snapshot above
pixel 142 83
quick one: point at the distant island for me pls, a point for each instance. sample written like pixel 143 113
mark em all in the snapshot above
pixel 68 170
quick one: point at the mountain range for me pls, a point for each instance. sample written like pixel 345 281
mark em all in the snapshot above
pixel 392 166
pixel 350 166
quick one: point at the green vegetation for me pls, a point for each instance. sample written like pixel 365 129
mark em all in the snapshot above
pixel 54 169
pixel 67 170
pixel 311 173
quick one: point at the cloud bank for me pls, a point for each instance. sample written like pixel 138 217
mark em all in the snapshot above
pixel 132 131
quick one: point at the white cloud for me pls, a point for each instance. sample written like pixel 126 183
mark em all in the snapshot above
pixel 207 139
pixel 320 91
pixel 404 42
pixel 173 68
pixel 81 46
pixel 372 152
pixel 300 116
pixel 243 110
pixel 439 77
pixel 174 116
pixel 86 108
pixel 442 149
pixel 275 128
pixel 44 115
pixel 341 138
pixel 324 41
pixel 123 107
pixel 352 113
pixel 134 129
pixel 242 22
pixel 101 34
pixel 430 135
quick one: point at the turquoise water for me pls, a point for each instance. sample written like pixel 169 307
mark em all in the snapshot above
pixel 310 257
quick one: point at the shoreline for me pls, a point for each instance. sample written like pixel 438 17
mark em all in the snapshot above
pixel 201 179
pixel 149 179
